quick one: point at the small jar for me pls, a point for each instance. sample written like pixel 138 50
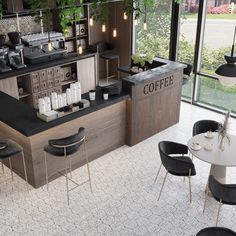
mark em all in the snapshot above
pixel 92 95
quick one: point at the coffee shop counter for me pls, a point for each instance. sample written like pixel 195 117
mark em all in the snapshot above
pixel 104 121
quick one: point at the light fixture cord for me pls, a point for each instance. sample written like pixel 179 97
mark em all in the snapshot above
pixel 232 50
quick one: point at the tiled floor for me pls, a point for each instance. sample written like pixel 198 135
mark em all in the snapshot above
pixel 124 198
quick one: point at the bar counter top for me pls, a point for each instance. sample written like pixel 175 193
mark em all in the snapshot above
pixel 163 67
pixel 21 117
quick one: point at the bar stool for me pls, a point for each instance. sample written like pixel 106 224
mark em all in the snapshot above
pixel 66 147
pixel 8 150
pixel 104 51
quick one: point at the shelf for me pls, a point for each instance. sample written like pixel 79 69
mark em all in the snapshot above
pixel 68 82
pixel 25 94
pixel 82 36
pixel 69 38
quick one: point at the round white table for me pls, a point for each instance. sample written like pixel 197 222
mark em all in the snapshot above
pixel 218 159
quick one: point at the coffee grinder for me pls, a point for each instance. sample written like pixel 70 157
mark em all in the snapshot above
pixel 3 55
pixel 15 54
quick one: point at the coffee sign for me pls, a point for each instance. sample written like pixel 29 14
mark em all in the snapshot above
pixel 158 85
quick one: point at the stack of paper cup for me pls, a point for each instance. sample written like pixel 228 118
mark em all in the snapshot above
pixel 68 96
pixel 47 104
pixel 73 93
pixel 54 100
pixel 64 101
pixel 42 106
pixel 60 102
pixel 78 91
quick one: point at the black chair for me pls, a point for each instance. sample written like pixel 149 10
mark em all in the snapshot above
pixel 105 51
pixel 175 161
pixel 10 149
pixel 216 231
pixel 65 148
pixel 223 193
pixel 187 72
pixel 202 126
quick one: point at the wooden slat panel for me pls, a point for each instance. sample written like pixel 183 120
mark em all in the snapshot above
pixel 9 86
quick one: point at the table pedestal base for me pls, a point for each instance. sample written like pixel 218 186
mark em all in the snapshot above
pixel 219 172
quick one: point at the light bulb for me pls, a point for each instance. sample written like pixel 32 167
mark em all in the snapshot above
pixel 145 26
pixel 80 49
pixel 91 21
pixel 103 28
pixel 114 33
pixel 135 22
pixel 49 46
pixel 125 17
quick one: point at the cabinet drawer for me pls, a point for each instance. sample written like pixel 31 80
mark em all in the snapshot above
pixel 50 74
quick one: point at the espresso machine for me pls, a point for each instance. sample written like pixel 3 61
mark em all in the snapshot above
pixel 43 47
pixel 3 55
pixel 15 54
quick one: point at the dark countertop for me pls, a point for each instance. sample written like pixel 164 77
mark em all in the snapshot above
pixel 145 76
pixel 68 59
pixel 19 116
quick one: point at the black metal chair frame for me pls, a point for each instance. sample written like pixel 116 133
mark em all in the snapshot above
pixel 68 165
pixel 211 231
pixel 183 149
pixel 10 164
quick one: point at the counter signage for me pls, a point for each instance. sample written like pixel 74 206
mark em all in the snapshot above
pixel 158 85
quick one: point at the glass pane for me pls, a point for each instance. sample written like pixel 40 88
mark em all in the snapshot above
pixel 218 37
pixel 156 38
pixel 211 92
pixel 188 29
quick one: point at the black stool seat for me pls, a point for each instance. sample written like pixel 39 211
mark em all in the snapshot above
pixel 11 149
pixel 216 231
pixel 109 55
pixel 71 143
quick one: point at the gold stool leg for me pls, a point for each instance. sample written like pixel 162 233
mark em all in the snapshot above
pixel 162 186
pixel 26 178
pixel 206 195
pixel 107 70
pixel 190 192
pixel 158 173
pixel 10 168
pixel 70 168
pixel 2 167
pixel 85 151
pixel 46 168
pixel 67 187
pixel 218 212
pixel 118 72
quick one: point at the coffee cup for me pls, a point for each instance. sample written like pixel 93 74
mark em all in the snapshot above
pixel 105 96
pixel 92 95
pixel 209 134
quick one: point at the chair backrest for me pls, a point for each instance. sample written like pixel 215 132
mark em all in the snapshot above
pixel 216 231
pixel 69 141
pixel 104 46
pixel 202 126
pixel 224 192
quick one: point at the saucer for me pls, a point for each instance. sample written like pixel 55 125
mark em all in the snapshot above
pixel 208 147
pixel 196 147
pixel 207 136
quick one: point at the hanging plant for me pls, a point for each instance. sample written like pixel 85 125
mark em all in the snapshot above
pixel 100 11
pixel 70 12
pixel 1 10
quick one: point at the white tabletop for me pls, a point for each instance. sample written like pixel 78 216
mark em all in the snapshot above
pixel 214 156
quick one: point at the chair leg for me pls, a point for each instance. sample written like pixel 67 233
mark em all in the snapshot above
pixel 158 173
pixel 70 168
pixel 218 212
pixel 67 186
pixel 10 168
pixel 85 152
pixel 190 190
pixel 206 195
pixel 162 186
pixel 26 177
pixel 46 168
pixel 2 168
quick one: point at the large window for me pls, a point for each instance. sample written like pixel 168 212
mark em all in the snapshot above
pixel 156 38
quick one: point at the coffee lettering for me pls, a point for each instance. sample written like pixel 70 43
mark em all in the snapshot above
pixel 158 84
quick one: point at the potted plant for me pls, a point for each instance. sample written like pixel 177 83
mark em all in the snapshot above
pixel 142 60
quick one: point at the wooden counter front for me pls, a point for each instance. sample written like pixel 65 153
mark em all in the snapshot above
pixel 155 103
pixel 105 131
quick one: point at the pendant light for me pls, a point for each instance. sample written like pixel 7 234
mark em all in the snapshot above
pixel 114 32
pixel 125 16
pixel 135 21
pixel 80 48
pixel 226 73
pixel 145 19
pixel 50 46
pixel 103 27
pixel 91 21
